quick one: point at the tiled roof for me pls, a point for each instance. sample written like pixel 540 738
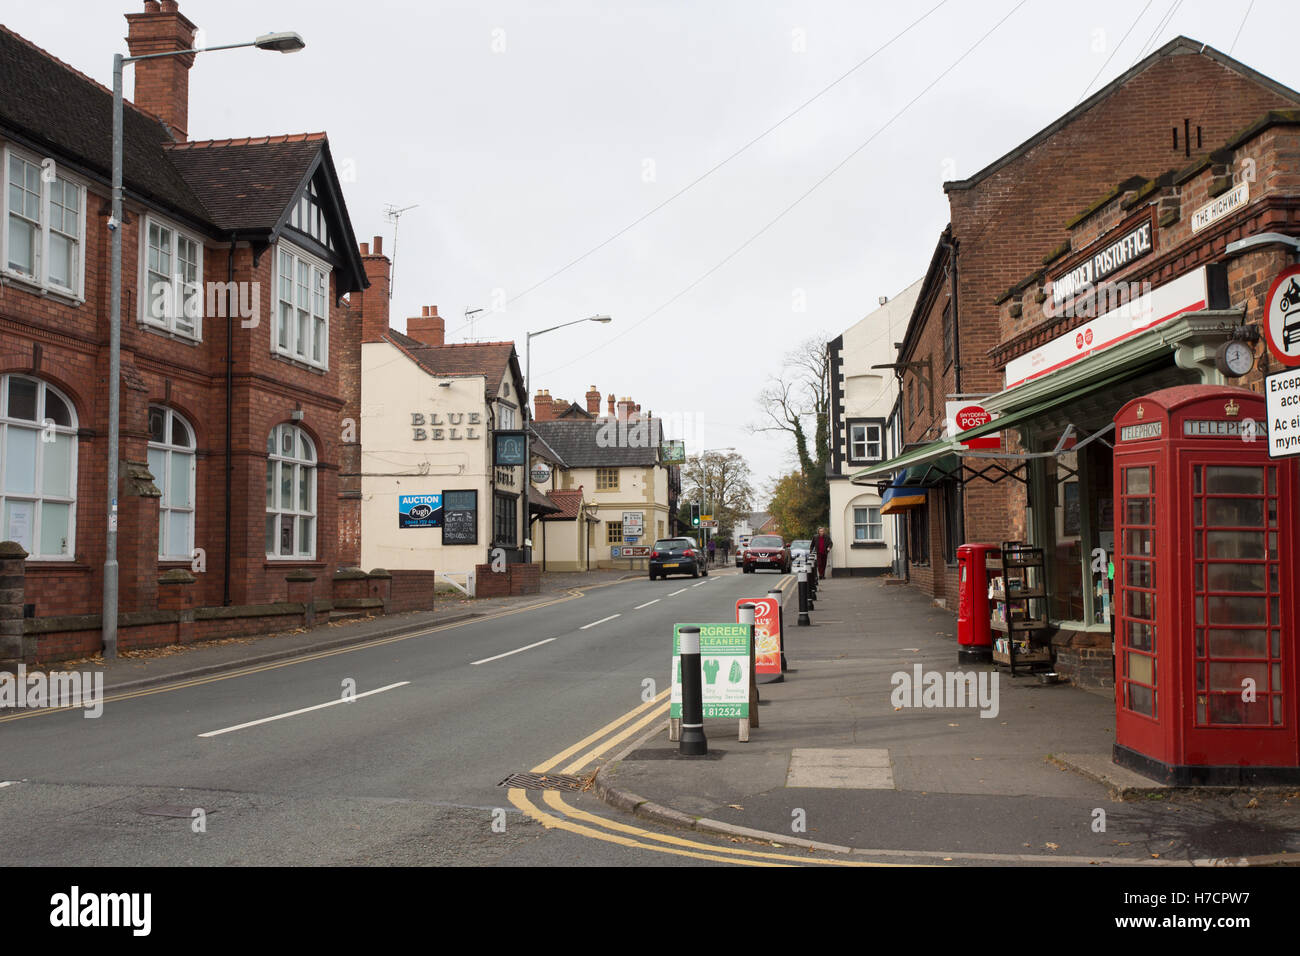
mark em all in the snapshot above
pixel 603 443
pixel 247 184
pixel 568 500
pixel 541 449
pixel 64 113
pixel 463 358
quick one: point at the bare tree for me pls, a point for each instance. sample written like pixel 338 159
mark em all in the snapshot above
pixel 797 399
pixel 721 482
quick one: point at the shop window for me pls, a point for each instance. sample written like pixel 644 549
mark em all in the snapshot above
pixel 38 468
pixel 613 532
pixel 918 535
pixel 44 220
pixel 171 462
pixel 951 520
pixel 505 521
pixel 868 525
pixel 290 493
pixel 1065 556
pixel 607 479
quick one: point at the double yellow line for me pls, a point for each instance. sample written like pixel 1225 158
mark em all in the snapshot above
pixel 582 823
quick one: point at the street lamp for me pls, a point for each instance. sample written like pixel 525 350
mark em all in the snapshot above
pixel 528 455
pixel 278 42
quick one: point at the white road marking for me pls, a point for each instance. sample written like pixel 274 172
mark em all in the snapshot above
pixel 601 621
pixel 517 650
pixel 304 710
pixel 647 604
pixel 675 593
pixel 697 585
pixel 6 783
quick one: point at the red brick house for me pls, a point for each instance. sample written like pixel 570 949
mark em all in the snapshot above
pixel 1012 218
pixel 1118 181
pixel 236 256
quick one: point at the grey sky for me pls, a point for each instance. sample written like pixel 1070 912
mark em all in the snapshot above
pixel 529 132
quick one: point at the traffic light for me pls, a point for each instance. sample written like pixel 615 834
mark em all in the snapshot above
pixel 695 514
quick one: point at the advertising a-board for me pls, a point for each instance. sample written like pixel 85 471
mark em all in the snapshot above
pixel 767 634
pixel 724 662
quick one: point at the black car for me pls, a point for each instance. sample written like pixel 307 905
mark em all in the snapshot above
pixel 678 556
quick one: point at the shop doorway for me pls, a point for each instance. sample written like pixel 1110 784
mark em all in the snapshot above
pixel 1077 522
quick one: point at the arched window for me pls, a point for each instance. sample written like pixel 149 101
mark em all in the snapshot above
pixel 290 493
pixel 38 468
pixel 171 461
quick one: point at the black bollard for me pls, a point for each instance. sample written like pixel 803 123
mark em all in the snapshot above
pixel 693 742
pixel 803 598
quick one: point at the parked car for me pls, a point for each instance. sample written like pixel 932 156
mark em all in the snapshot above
pixel 767 551
pixel 678 556
pixel 800 551
pixel 741 544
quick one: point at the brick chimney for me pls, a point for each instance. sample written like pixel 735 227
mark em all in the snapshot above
pixel 428 327
pixel 372 303
pixel 542 411
pixel 611 404
pixel 625 408
pixel 162 86
pixel 593 400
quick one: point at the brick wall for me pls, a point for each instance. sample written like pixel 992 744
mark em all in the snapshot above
pixel 412 591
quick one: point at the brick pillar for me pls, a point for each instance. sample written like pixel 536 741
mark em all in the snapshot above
pixel 13 582
pixel 380 585
pixel 302 590
pixel 176 592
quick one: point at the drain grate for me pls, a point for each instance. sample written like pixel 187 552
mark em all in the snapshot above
pixel 545 781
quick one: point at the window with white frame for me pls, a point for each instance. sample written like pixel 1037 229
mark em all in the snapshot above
pixel 867 524
pixel 44 221
pixel 866 441
pixel 505 417
pixel 302 307
pixel 38 468
pixel 290 493
pixel 172 297
pixel 309 216
pixel 171 462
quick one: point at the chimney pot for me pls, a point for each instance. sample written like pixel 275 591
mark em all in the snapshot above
pixel 365 249
pixel 378 245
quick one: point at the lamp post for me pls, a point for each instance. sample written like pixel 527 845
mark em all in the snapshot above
pixel 528 416
pixel 279 42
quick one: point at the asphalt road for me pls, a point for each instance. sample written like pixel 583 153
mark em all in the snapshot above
pixel 407 773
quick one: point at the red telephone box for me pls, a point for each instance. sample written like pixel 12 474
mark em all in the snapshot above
pixel 1206 580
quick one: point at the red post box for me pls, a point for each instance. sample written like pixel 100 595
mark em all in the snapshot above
pixel 974 637
pixel 1206 578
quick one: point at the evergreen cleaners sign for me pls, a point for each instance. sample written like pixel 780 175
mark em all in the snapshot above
pixel 1109 259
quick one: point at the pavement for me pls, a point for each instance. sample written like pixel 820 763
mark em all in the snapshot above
pixel 837 764
pixel 147 667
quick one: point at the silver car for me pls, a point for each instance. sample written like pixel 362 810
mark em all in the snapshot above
pixel 801 552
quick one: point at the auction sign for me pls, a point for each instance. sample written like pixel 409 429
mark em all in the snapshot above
pixel 724 661
pixel 963 416
pixel 419 511
pixel 767 633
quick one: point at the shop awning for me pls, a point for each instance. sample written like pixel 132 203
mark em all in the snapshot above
pixel 936 452
pixel 899 498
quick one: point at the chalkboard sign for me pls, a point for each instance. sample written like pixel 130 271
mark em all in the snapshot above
pixel 460 517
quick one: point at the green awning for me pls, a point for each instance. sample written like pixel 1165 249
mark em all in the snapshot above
pixel 936 451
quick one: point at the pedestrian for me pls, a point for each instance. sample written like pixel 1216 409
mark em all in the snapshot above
pixel 822 545
pixel 713 547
